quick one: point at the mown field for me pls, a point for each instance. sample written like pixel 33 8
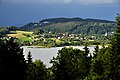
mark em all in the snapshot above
pixel 21 35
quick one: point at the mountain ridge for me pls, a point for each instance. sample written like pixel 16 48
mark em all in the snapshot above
pixel 71 25
pixel 76 19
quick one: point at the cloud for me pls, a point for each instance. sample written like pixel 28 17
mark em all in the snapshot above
pixel 64 1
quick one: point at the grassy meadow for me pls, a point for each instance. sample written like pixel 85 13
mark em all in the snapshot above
pixel 21 35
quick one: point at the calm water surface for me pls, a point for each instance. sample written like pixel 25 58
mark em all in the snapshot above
pixel 45 54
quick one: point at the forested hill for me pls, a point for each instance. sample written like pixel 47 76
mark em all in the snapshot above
pixel 72 25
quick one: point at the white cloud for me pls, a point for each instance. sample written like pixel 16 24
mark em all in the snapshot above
pixel 64 1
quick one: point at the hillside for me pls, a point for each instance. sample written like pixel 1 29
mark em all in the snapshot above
pixel 72 25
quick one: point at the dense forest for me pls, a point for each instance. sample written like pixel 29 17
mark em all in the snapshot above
pixel 70 64
pixel 72 25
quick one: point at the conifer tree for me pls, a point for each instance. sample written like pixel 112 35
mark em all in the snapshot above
pixel 35 70
pixel 115 51
pixel 106 66
pixel 86 49
pixel 29 58
pixel 70 64
pixel 12 62
pixel 40 71
pixel 30 70
pixel 96 50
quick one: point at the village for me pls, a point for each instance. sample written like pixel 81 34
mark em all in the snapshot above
pixel 65 39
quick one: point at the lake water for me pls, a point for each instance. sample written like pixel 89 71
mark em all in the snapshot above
pixel 45 54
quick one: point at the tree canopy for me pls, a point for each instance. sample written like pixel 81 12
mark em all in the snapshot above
pixel 12 62
pixel 70 64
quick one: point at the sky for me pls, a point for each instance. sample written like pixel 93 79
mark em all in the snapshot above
pixel 21 12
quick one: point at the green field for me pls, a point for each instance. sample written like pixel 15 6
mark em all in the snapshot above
pixel 20 35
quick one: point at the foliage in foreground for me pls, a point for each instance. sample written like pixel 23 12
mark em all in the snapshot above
pixel 106 66
pixel 71 64
pixel 12 62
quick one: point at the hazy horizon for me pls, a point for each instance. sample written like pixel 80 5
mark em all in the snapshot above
pixel 14 12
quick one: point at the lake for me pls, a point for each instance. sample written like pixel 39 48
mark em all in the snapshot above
pixel 45 54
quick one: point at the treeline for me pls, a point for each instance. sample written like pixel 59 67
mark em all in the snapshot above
pixel 6 30
pixel 70 64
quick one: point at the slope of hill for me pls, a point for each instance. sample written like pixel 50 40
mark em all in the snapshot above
pixel 72 25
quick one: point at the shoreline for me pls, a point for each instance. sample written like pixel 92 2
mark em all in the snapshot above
pixel 100 46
